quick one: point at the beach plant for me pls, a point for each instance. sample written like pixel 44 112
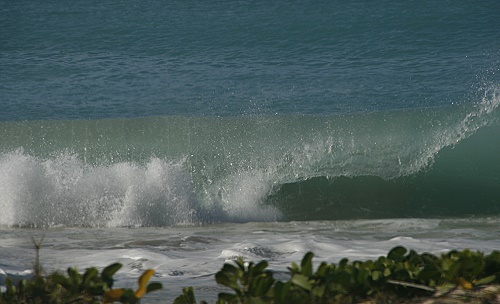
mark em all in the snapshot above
pixel 74 287
pixel 130 296
pixel 401 274
pixel 187 297
pixel 250 282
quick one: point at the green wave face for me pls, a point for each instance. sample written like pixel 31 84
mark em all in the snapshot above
pixel 171 170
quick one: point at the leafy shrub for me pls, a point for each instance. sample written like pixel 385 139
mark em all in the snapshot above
pixel 401 273
pixel 89 287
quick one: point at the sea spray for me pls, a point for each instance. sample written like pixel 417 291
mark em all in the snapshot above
pixel 162 171
pixel 65 191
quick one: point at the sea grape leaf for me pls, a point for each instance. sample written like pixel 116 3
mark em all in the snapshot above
pixel 397 253
pixel 306 264
pixel 111 269
pixel 446 264
pixel 261 285
pixel 108 272
pixel 343 263
pixel 322 269
pixel 223 279
pixel 280 291
pixel 301 281
pixel 89 274
pixel 74 276
pixel 260 266
pixel 428 274
pixel 241 264
pixel 387 272
pixel 294 268
pixel 154 286
pixel 485 281
pixel 187 297
pixel 60 279
pixel 235 271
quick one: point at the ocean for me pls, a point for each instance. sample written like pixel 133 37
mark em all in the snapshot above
pixel 178 135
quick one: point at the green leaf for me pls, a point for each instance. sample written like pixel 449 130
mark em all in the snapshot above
pixel 397 253
pixel 280 291
pixel 74 276
pixel 108 272
pixel 240 263
pixel 294 268
pixel 485 281
pixel 223 279
pixel 227 297
pixel 343 263
pixel 446 264
pixel 428 274
pixel 60 279
pixel 260 286
pixel 187 297
pixel 322 269
pixel 301 281
pixel 306 264
pixel 154 286
pixel 228 268
pixel 111 270
pixel 260 266
pixel 362 277
pixel 90 274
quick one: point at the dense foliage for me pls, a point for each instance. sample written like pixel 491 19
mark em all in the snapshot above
pixel 89 287
pixel 400 274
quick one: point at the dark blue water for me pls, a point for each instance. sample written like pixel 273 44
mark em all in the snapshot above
pixel 99 59
pixel 118 113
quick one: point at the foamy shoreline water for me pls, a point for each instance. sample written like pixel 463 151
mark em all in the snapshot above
pixel 190 256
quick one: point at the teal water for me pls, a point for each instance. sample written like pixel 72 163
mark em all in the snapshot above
pixel 123 59
pixel 170 170
pixel 157 114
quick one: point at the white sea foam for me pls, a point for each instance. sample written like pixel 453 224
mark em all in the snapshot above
pixel 191 255
pixel 63 190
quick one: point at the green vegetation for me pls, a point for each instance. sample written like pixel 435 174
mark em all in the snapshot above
pixel 402 274
pixel 89 287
